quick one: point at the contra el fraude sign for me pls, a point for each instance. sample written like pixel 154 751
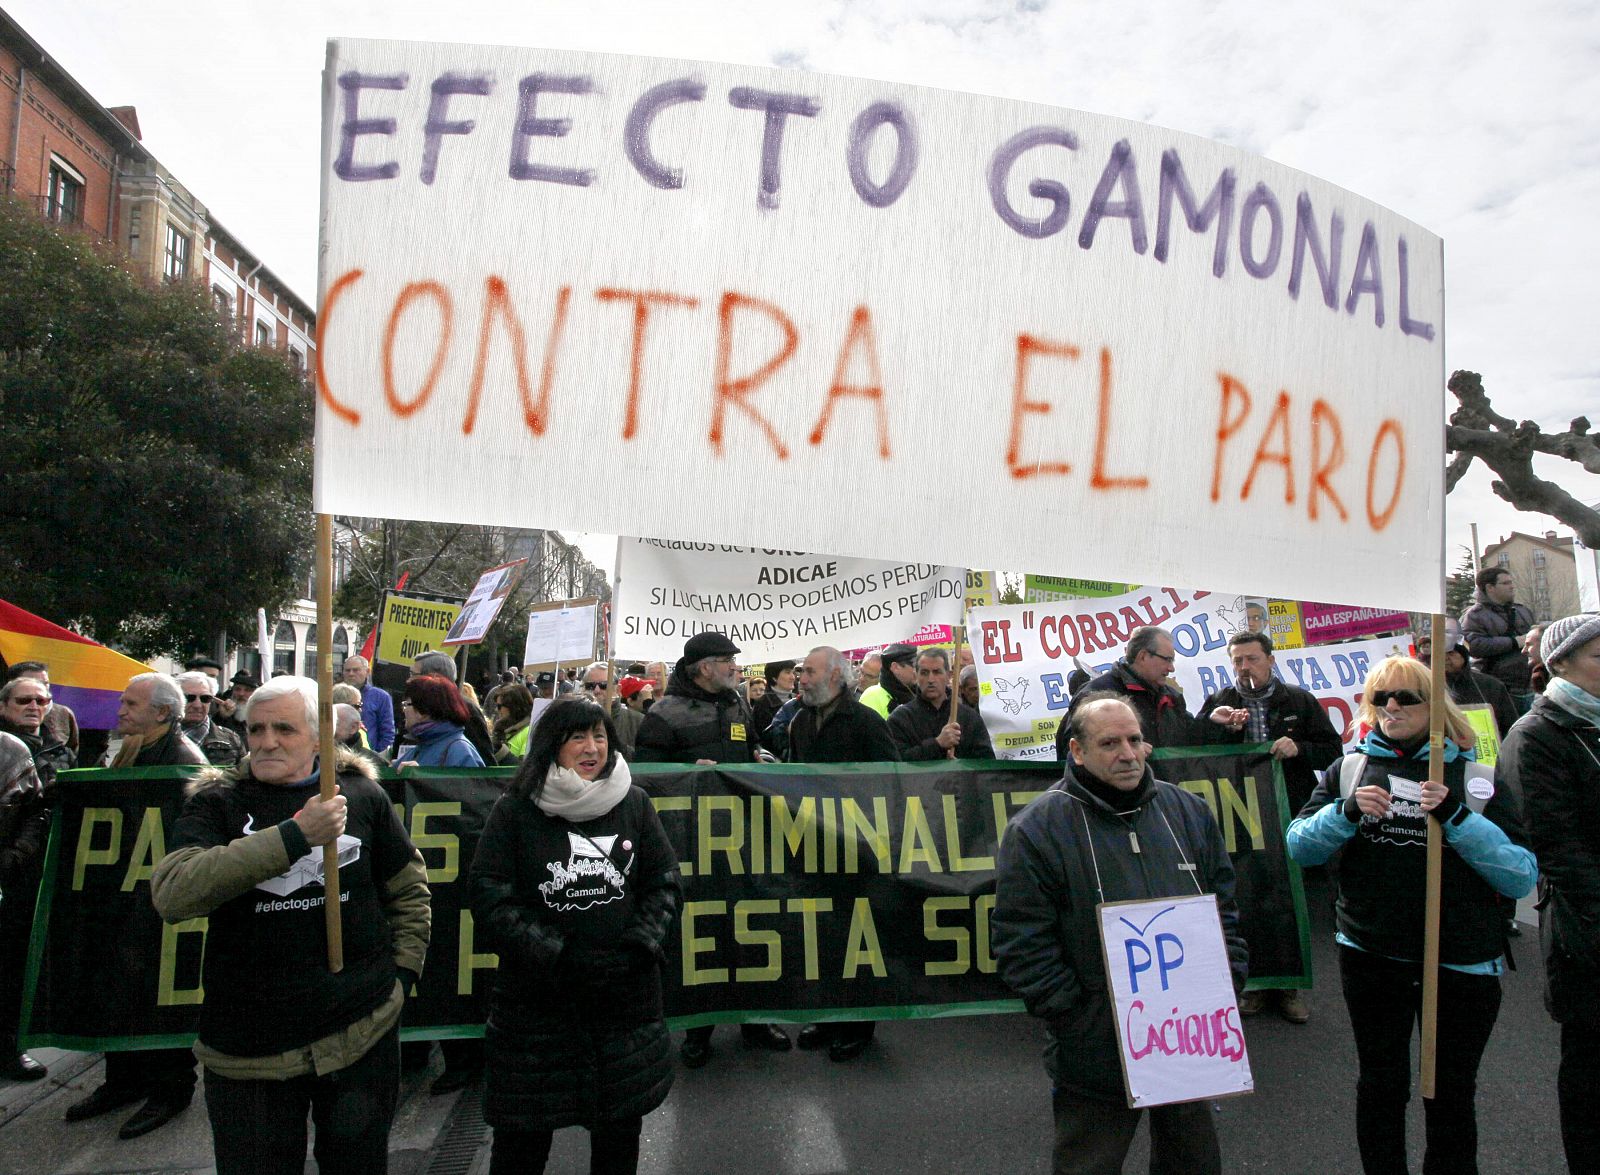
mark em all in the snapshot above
pixel 778 298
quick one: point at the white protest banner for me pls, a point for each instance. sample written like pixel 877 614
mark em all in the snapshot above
pixel 772 603
pixel 560 633
pixel 1178 1027
pixel 484 602
pixel 769 302
pixel 1026 652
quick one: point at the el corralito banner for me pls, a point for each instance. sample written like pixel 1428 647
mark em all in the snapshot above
pixel 860 891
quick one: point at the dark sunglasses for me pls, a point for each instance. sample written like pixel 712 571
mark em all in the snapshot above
pixel 201 697
pixel 1406 697
pixel 594 685
pixel 31 701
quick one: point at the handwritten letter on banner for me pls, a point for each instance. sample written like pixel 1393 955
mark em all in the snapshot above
pixel 1026 652
pixel 772 603
pixel 870 320
pixel 1178 1028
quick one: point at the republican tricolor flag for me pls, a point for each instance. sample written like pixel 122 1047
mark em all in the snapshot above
pixel 85 677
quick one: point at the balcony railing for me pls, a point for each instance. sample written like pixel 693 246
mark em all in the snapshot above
pixel 66 216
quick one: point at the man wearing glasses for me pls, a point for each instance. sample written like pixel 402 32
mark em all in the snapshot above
pixel 703 720
pixel 1141 676
pixel 220 746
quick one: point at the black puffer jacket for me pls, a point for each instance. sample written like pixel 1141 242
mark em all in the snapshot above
pixel 1291 713
pixel 1552 758
pixel 1163 717
pixel 578 913
pixel 691 723
pixel 1494 633
pixel 1045 929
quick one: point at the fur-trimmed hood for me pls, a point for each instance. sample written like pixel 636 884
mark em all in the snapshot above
pixel 350 763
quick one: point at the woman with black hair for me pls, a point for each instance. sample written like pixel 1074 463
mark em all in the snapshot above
pixel 575 885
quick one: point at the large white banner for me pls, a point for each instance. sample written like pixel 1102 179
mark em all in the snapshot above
pixel 713 303
pixel 1025 654
pixel 1179 1032
pixel 772 603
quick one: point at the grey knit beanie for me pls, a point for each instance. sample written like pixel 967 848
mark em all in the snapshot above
pixel 1567 634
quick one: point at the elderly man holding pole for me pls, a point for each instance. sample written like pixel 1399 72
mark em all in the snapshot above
pixel 282 1033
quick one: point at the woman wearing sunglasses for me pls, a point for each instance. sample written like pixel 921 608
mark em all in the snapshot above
pixel 1370 811
pixel 575 885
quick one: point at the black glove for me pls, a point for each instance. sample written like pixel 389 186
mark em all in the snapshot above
pixel 641 944
pixel 1448 809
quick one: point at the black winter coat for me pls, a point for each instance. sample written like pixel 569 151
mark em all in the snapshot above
pixel 1471 688
pixel 916 726
pixel 1045 929
pixel 853 733
pixel 691 723
pixel 578 913
pixel 1494 633
pixel 1291 712
pixel 1163 717
pixel 1552 758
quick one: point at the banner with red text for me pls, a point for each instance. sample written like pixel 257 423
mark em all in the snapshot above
pixel 1026 652
pixel 729 304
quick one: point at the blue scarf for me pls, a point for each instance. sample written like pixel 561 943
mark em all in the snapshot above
pixel 1574 699
pixel 1377 747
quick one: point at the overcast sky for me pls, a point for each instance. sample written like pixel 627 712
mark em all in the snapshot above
pixel 1479 121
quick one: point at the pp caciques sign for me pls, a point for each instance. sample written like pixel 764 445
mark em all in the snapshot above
pixel 766 302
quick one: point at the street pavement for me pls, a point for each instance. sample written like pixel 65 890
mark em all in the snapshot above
pixel 954 1095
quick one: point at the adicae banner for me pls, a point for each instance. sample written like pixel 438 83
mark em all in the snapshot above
pixel 1025 654
pixel 773 603
pixel 409 627
pixel 865 319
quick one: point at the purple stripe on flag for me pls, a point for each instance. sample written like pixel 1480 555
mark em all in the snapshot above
pixel 96 708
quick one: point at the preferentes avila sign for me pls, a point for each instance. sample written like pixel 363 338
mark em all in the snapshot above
pixel 865 319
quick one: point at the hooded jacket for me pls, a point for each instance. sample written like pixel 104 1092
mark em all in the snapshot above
pixel 273 1010
pixel 691 723
pixel 1062 855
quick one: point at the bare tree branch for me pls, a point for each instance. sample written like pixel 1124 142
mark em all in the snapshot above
pixel 1507 447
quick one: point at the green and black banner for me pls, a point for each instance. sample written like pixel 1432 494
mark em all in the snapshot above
pixel 858 891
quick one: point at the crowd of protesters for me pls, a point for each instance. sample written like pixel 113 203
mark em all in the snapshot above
pixel 576 1032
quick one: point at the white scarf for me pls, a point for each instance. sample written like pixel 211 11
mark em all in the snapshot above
pixel 568 795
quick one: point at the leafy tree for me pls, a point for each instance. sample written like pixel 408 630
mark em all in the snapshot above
pixel 158 472
pixel 1461 585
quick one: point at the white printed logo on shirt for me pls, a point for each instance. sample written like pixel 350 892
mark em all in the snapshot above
pixel 308 869
pixel 588 877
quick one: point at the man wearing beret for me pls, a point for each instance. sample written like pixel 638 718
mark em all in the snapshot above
pixel 703 720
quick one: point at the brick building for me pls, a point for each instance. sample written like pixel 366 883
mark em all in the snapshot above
pixel 86 168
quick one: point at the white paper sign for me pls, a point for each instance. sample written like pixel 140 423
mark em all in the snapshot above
pixel 1178 1027
pixel 560 634
pixel 1026 652
pixel 772 603
pixel 714 303
pixel 483 604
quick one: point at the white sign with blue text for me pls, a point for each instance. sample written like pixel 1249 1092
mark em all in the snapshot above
pixel 1178 1026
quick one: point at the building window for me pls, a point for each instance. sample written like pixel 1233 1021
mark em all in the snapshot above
pixel 1538 558
pixel 224 301
pixel 283 648
pixel 1503 559
pixel 65 200
pixel 263 334
pixel 297 360
pixel 176 266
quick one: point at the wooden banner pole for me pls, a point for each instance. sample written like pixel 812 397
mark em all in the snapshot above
pixel 955 682
pixel 1430 932
pixel 330 766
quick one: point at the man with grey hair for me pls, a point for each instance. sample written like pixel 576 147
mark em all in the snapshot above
pixel 1141 676
pixel 377 707
pixel 220 746
pixel 922 728
pixel 148 718
pixel 834 727
pixel 434 662
pixel 282 1036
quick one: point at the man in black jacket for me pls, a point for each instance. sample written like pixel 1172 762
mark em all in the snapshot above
pixel 922 728
pixel 1493 629
pixel 834 727
pixel 1467 686
pixel 1069 850
pixel 148 717
pixel 703 720
pixel 1141 676
pixel 1260 708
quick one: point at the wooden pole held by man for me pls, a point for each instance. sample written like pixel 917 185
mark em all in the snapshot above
pixel 1430 930
pixel 330 766
pixel 955 683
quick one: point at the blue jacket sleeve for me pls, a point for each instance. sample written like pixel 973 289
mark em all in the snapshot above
pixel 377 713
pixel 1313 839
pixel 462 753
pixel 1510 868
